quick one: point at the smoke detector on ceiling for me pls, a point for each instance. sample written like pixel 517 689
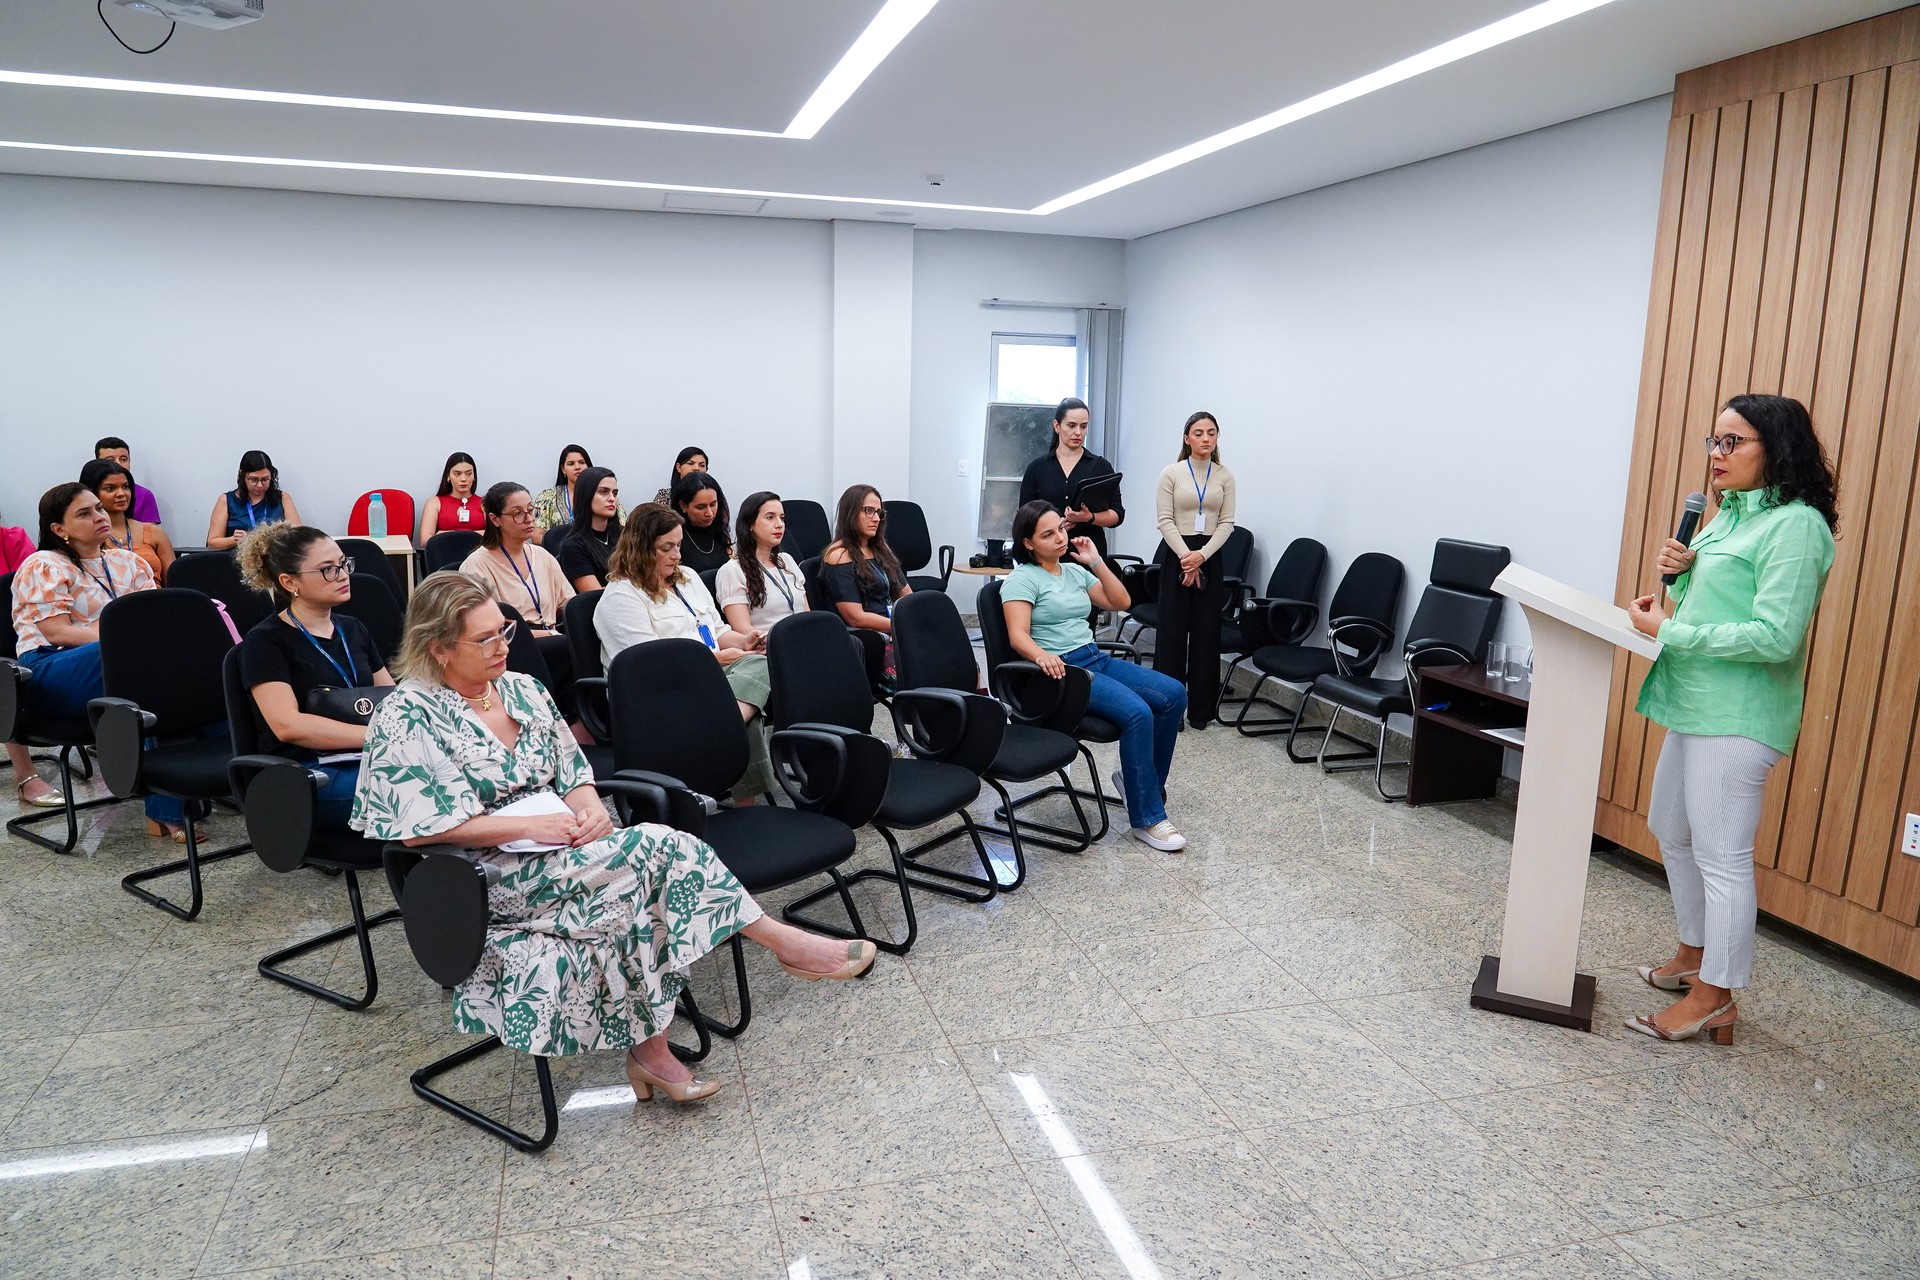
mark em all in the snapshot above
pixel 217 15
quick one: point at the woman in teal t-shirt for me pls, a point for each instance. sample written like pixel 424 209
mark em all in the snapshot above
pixel 1728 687
pixel 1048 600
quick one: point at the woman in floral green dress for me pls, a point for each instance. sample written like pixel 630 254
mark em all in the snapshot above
pixel 591 935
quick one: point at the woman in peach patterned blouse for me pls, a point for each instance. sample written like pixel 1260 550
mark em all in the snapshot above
pixel 58 595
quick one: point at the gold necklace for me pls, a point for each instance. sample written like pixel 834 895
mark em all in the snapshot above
pixel 482 703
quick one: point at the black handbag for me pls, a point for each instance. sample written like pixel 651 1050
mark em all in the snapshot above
pixel 348 706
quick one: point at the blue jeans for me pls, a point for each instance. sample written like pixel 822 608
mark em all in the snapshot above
pixel 64 681
pixel 333 803
pixel 1147 707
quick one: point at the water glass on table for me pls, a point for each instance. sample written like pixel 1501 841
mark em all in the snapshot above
pixel 1519 663
pixel 1496 661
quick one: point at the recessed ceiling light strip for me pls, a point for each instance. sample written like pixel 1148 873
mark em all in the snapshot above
pixel 888 28
pixel 1523 23
pixel 358 166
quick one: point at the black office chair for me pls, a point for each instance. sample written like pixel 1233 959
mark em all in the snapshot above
pixel 676 726
pixel 1366 599
pixel 1036 699
pixel 1452 625
pixel 442 894
pixel 1295 579
pixel 708 578
pixel 376 609
pixel 446 549
pixel 873 645
pixel 161 656
pixel 550 540
pixel 912 542
pixel 932 651
pixel 818 683
pixel 68 738
pixel 217 574
pixel 808 531
pixel 1142 580
pixel 589 677
pixel 276 798
pixel 369 559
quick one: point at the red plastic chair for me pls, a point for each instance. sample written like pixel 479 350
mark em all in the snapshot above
pixel 399 513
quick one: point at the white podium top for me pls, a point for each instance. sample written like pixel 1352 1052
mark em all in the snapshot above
pixel 1577 609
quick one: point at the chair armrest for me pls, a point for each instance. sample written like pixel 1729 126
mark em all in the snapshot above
pixel 1274 620
pixel 950 726
pixel 642 796
pixel 832 770
pixel 277 803
pixel 1437 653
pixel 1118 561
pixel 590 696
pixel 945 562
pixel 13 697
pixel 1235 591
pixel 442 894
pixel 1035 698
pixel 1367 637
pixel 120 733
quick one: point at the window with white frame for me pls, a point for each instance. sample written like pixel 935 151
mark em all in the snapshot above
pixel 1029 375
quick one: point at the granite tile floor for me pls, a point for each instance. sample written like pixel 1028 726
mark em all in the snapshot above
pixel 1251 1059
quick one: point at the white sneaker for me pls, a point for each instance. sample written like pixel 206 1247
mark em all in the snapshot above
pixel 1163 836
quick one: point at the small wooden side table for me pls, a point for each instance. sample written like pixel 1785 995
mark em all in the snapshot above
pixel 1457 752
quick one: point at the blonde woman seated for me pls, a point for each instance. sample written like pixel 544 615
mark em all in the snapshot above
pixel 593 930
pixel 650 595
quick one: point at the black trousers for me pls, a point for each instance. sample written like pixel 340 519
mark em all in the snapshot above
pixel 1186 645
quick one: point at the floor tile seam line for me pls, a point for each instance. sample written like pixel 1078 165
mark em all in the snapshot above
pixel 760 1157
pixel 1046 1216
pixel 1772 1203
pixel 213 1227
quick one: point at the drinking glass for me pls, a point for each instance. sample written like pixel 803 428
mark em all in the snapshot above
pixel 1519 663
pixel 1496 660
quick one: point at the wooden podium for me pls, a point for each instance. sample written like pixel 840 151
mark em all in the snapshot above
pixel 1574 636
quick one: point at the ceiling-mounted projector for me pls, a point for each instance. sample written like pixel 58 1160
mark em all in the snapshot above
pixel 215 14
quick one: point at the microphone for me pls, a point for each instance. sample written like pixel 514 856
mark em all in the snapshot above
pixel 1689 520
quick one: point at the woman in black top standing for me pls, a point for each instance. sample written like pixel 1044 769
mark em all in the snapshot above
pixel 708 542
pixel 1049 475
pixel 584 552
pixel 303 647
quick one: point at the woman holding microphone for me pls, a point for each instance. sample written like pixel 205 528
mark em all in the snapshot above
pixel 1728 687
pixel 1194 506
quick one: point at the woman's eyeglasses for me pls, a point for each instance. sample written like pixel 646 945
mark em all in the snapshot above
pixel 495 642
pixel 874 511
pixel 333 572
pixel 1723 446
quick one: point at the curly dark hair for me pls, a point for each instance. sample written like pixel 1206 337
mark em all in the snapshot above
pixel 1797 467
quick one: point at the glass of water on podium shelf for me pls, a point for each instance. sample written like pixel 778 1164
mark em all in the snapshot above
pixel 1496 661
pixel 1519 663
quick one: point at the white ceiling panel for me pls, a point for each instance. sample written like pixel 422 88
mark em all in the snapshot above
pixel 1010 102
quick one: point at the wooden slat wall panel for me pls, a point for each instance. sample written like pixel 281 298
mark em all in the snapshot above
pixel 1789 262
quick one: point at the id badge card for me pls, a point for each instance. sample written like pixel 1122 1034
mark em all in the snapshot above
pixel 465 516
pixel 706 638
pixel 1200 522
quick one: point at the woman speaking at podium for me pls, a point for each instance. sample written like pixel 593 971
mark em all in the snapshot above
pixel 1728 687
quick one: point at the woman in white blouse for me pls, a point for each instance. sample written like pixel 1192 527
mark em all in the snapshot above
pixel 650 596
pixel 762 583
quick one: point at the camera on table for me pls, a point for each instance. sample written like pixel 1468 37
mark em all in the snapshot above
pixel 997 556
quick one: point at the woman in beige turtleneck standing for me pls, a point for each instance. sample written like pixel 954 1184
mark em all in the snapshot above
pixel 1194 505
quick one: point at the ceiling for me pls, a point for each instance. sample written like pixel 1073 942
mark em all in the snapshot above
pixel 1010 103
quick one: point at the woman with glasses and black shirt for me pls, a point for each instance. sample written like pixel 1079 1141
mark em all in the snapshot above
pixel 863 578
pixel 304 647
pixel 1050 475
pixel 1728 686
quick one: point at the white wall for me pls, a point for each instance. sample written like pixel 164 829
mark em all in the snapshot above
pixel 360 340
pixel 872 355
pixel 952 356
pixel 1447 349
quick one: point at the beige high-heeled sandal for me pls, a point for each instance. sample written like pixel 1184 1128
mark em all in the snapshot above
pixel 1667 981
pixel 644 1082
pixel 1720 1031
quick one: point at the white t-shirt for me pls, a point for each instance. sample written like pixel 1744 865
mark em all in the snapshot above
pixel 626 616
pixel 786 591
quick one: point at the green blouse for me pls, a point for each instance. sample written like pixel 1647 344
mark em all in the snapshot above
pixel 1734 654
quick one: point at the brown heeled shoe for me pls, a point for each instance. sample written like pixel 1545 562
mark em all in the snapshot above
pixel 860 957
pixel 644 1082
pixel 176 834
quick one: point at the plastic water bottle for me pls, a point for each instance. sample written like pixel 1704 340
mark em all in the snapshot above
pixel 376 517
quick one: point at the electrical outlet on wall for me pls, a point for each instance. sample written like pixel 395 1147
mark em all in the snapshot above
pixel 1910 842
pixel 963 468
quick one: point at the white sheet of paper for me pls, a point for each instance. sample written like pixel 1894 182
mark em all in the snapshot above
pixel 342 757
pixel 531 806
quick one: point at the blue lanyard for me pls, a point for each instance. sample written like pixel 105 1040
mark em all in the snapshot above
pixel 567 497
pixel 1200 490
pixel 351 672
pixel 533 589
pixel 706 633
pixel 780 580
pixel 105 568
